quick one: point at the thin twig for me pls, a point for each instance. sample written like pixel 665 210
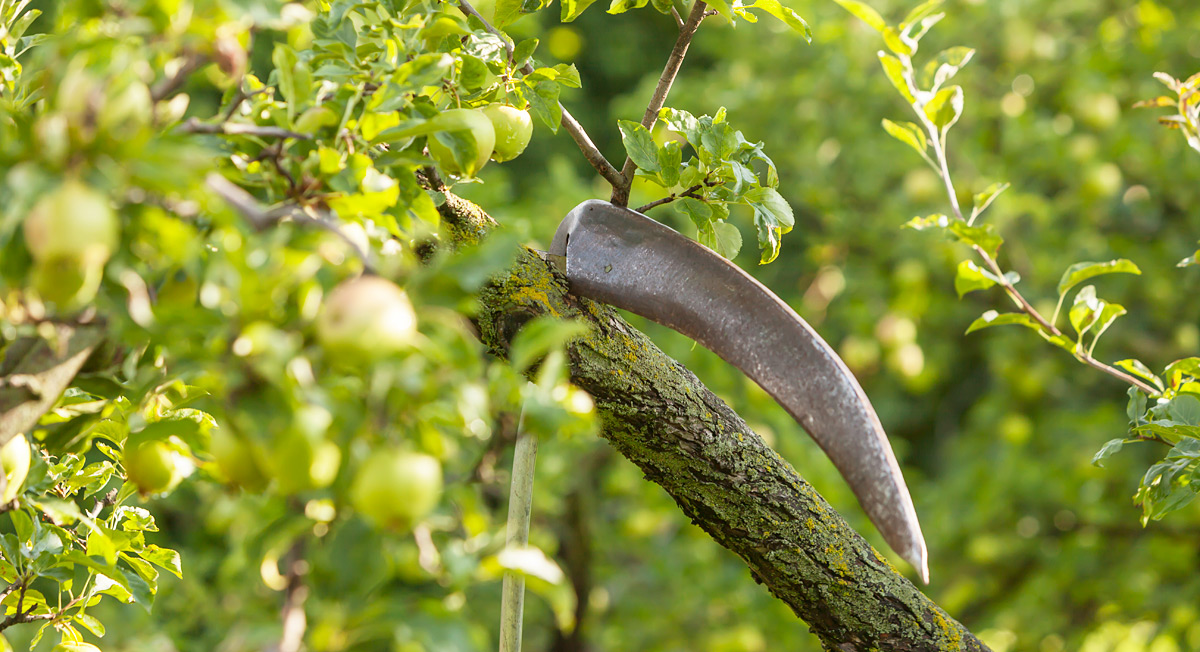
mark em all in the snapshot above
pixel 194 126
pixel 939 149
pixel 690 192
pixel 576 130
pixel 620 194
pixel 168 86
pixel 678 19
pixel 262 218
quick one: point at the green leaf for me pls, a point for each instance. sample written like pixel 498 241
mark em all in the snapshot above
pixel 935 221
pixel 670 163
pixel 985 198
pixel 894 69
pixel 993 318
pixel 90 623
pixel 1086 309
pixel 1080 272
pixel 907 133
pixel 985 237
pixel 572 9
pixel 540 336
pixel 1185 409
pixel 524 50
pixel 1176 371
pixel 639 145
pixel 773 217
pixel 728 239
pixel 1108 314
pixel 1140 370
pixel 284 59
pixel 944 67
pixel 543 103
pixel 785 14
pixel 621 6
pixel 1135 408
pixel 163 558
pixel 507 12
pixel 945 107
pixel 1111 448
pixel 896 43
pixel 865 13
pixel 920 11
pixel 969 278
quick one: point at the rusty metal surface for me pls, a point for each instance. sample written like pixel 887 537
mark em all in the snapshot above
pixel 625 259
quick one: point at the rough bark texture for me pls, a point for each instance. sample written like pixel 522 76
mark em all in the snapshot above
pixel 723 476
pixel 660 416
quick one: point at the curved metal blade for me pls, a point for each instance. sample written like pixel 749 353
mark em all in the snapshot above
pixel 625 259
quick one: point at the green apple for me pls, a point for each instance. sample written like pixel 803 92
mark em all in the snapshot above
pixel 72 222
pixel 67 282
pixel 237 461
pixel 459 120
pixel 15 457
pixel 395 488
pixel 513 129
pixel 152 466
pixel 367 317
pixel 302 464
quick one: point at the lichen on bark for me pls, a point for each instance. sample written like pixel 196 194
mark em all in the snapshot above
pixel 722 475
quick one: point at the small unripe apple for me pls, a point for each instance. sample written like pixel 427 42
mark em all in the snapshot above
pixel 237 460
pixel 68 283
pixel 15 457
pixel 480 128
pixel 367 317
pixel 152 466
pixel 72 222
pixel 513 129
pixel 395 489
pixel 302 464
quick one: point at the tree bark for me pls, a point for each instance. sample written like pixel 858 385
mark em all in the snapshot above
pixel 721 474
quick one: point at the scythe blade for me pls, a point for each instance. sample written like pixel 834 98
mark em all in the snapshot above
pixel 623 258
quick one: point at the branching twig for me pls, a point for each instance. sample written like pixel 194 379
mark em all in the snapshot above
pixel 943 168
pixel 620 194
pixel 167 87
pixel 690 192
pixel 262 218
pixel 576 130
pixel 194 126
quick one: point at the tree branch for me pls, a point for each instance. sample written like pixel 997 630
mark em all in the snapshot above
pixel 620 194
pixel 194 126
pixel 262 218
pixel 576 130
pixel 656 413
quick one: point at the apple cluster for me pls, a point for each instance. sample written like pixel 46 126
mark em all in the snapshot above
pixel 499 132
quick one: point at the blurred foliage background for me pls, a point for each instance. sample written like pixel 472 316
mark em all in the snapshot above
pixel 1031 546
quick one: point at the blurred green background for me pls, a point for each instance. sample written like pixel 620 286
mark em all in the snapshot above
pixel 1031 546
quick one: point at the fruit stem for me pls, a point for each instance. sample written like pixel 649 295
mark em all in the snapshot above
pixel 520 505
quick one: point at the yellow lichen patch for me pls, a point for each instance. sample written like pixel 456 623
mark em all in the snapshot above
pixel 950 634
pixel 810 523
pixel 838 559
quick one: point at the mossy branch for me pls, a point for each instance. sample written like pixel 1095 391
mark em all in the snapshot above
pixel 722 475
